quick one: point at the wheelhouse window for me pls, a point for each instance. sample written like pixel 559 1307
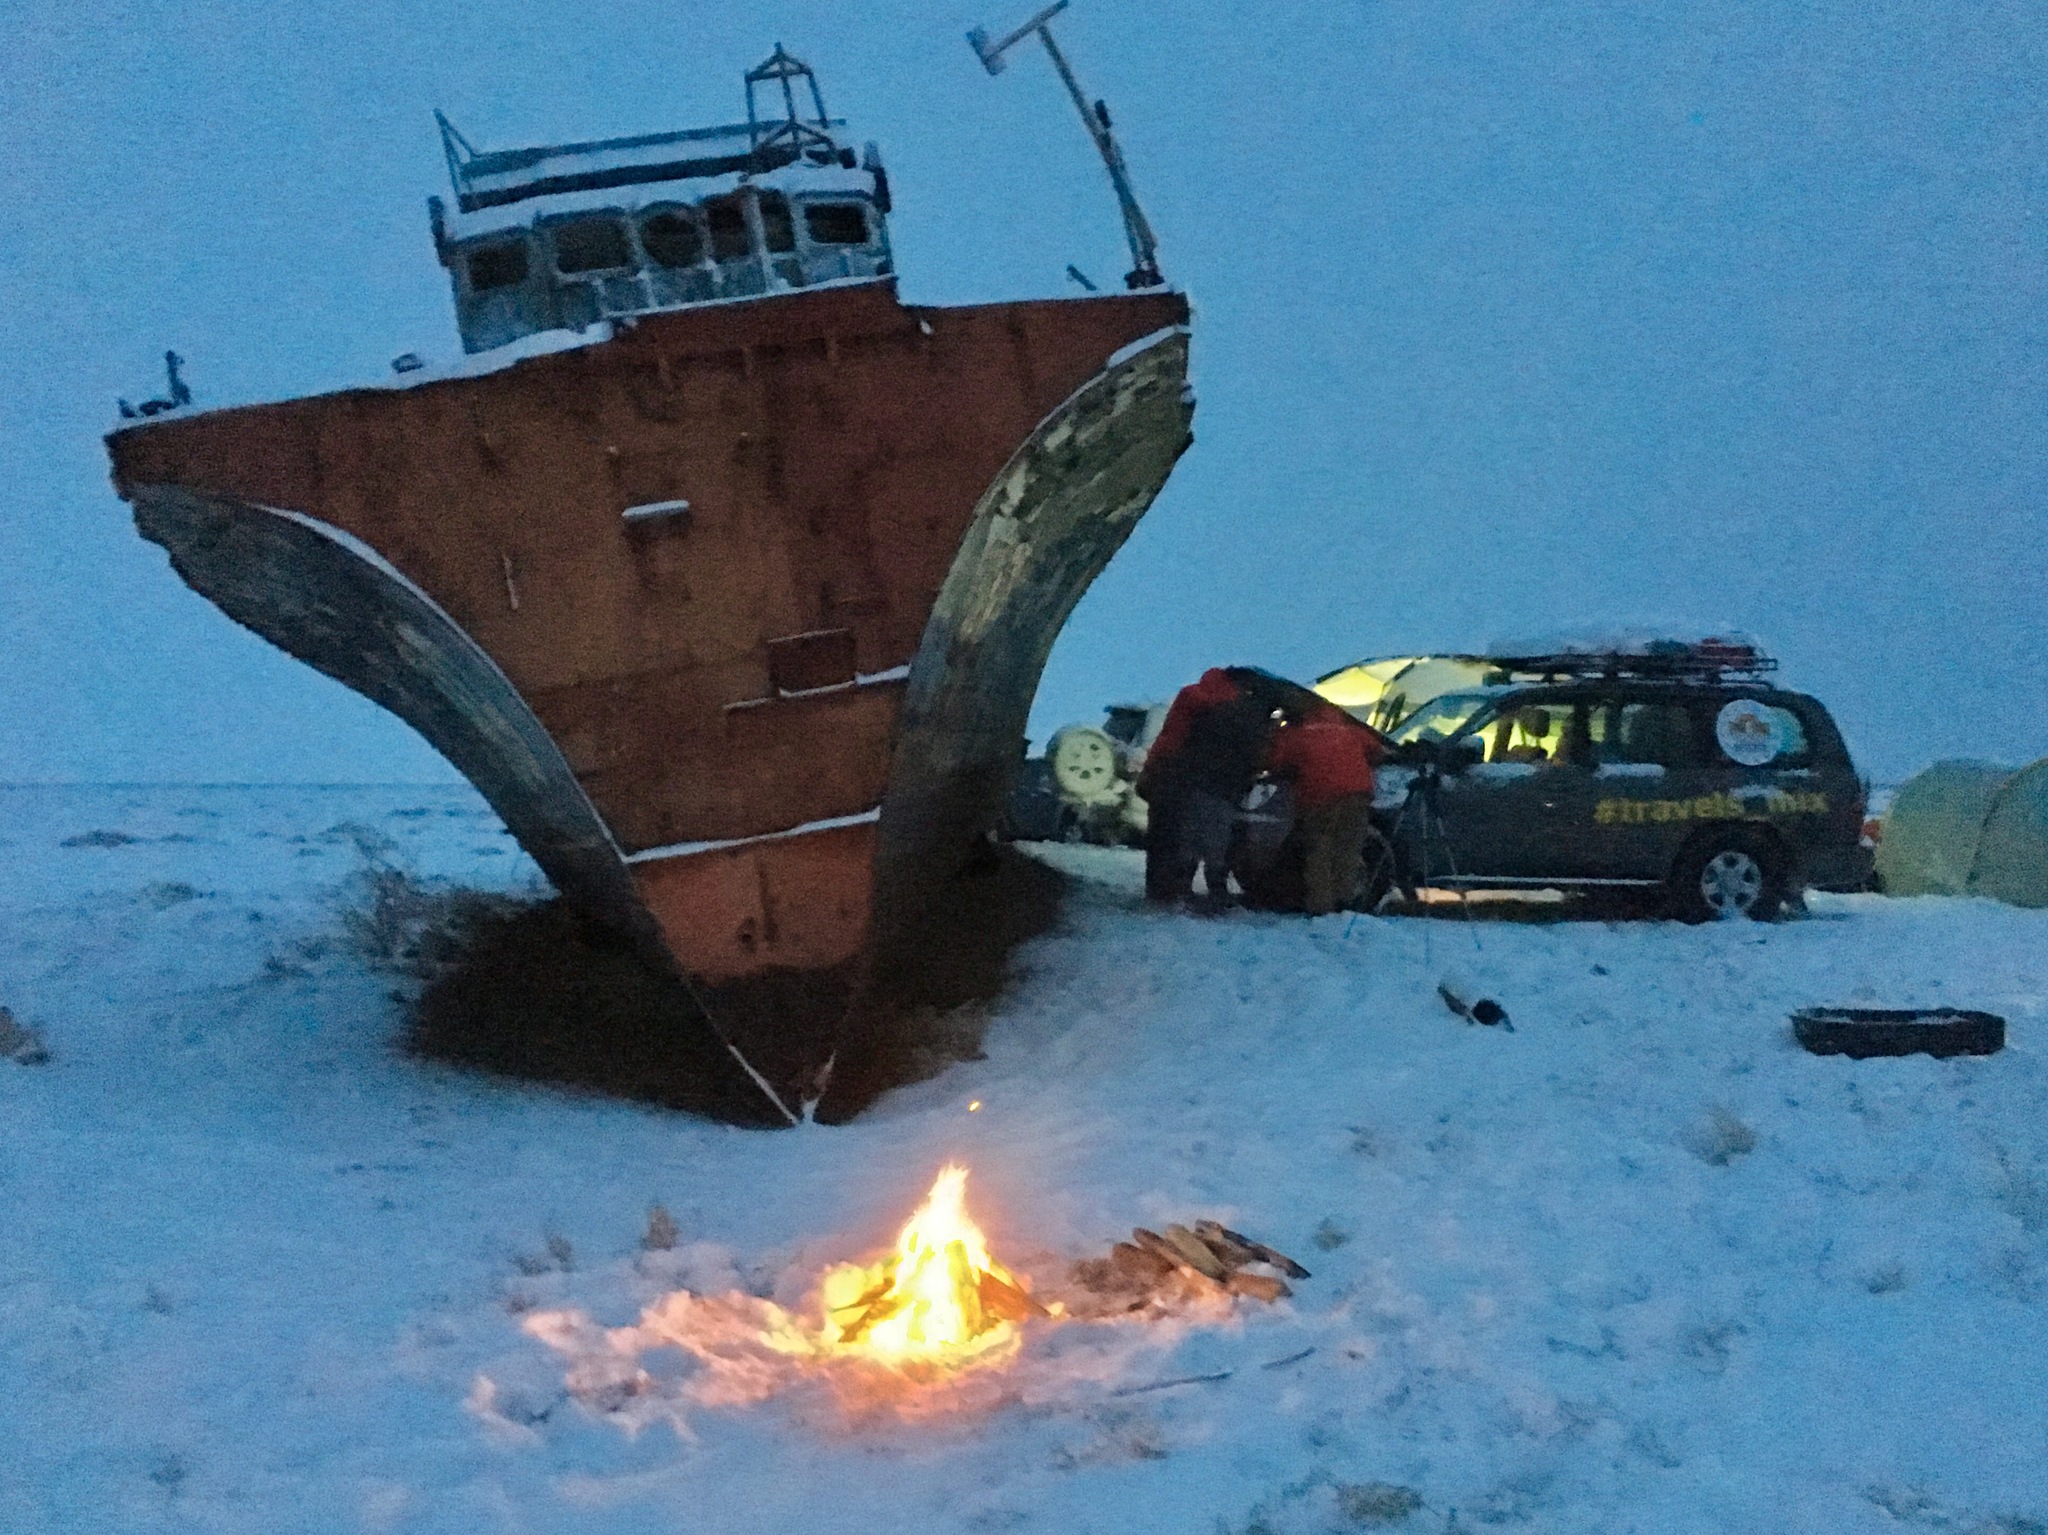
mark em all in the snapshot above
pixel 591 245
pixel 836 223
pixel 776 228
pixel 497 266
pixel 671 239
pixel 730 238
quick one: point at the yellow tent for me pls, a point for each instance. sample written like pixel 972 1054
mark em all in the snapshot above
pixel 1387 691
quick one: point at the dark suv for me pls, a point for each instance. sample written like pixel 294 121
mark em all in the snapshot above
pixel 1693 778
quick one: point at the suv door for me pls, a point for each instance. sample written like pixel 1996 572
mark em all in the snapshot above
pixel 1511 817
pixel 1658 775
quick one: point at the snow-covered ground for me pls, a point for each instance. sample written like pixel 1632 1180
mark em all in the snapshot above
pixel 1639 1265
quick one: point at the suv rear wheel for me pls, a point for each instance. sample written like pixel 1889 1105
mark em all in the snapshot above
pixel 1728 874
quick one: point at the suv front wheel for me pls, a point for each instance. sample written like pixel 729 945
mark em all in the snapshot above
pixel 1728 874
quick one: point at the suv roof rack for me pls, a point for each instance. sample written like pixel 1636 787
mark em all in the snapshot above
pixel 1702 661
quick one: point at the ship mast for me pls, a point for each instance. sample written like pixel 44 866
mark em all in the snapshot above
pixel 1144 271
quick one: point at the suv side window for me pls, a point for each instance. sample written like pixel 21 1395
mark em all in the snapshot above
pixel 1660 732
pixel 1526 731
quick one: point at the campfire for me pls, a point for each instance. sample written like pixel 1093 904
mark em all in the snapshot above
pixel 939 1299
pixel 911 1331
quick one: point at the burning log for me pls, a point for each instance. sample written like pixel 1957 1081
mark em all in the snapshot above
pixel 939 1299
pixel 966 1287
pixel 884 1308
pixel 1007 1302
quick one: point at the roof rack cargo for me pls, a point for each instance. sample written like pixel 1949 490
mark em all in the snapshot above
pixel 1702 661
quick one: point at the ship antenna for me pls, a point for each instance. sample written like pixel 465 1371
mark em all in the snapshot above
pixel 1144 271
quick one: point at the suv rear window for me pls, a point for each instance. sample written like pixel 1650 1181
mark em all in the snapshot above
pixel 1656 732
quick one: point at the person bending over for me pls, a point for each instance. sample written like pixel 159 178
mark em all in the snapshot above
pixel 1329 759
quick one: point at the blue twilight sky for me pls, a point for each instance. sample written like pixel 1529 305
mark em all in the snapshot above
pixel 1510 317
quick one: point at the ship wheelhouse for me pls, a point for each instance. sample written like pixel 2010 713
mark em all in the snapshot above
pixel 563 236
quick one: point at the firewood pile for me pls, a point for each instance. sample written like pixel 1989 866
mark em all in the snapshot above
pixel 1167 1270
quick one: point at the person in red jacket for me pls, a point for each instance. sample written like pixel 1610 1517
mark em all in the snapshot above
pixel 1205 756
pixel 1329 758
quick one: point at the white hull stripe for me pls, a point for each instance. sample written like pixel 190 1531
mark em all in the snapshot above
pixel 686 849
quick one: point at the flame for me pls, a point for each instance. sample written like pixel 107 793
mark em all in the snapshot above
pixel 941 1299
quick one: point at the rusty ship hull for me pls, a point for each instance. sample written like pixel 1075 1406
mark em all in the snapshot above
pixel 734 617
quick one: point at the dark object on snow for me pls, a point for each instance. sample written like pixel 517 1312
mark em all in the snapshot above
pixel 1862 1032
pixel 99 839
pixel 1367 1503
pixel 1167 1385
pixel 1485 1010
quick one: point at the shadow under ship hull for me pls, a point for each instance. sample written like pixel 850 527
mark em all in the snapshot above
pixel 735 617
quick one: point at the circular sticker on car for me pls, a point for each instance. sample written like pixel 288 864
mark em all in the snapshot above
pixel 1748 732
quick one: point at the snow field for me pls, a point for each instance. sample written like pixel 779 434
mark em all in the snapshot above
pixel 1640 1265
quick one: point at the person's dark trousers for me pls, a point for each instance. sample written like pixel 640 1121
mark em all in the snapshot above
pixel 1333 846
pixel 1206 822
pixel 1168 873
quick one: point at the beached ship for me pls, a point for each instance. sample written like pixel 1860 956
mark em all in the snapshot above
pixel 723 573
